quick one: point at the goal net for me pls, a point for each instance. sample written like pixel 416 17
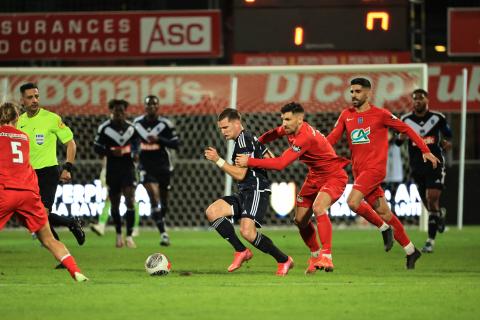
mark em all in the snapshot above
pixel 192 97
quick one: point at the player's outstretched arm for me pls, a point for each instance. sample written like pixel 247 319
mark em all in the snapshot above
pixel 235 172
pixel 392 121
pixel 272 135
pixel 279 163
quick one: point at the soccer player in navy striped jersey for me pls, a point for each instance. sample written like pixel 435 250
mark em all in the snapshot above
pixel 251 201
pixel 436 133
pixel 157 138
pixel 117 140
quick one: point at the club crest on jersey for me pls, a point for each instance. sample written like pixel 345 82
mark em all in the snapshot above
pixel 40 138
pixel 296 148
pixel 360 136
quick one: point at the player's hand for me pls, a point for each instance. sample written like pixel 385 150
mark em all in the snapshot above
pixel 211 154
pixel 430 157
pixel 65 176
pixel 446 145
pixel 242 160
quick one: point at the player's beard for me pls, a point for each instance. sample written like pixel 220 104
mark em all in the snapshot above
pixel 420 108
pixel 358 103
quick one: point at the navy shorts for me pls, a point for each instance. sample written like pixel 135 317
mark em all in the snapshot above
pixel 250 204
pixel 428 178
pixel 118 179
pixel 162 176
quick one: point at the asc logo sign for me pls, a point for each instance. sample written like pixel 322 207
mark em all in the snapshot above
pixel 175 34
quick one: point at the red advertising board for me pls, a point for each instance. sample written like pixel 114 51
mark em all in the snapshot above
pixel 87 91
pixel 464 31
pixel 207 90
pixel 110 35
pixel 320 58
pixel 445 86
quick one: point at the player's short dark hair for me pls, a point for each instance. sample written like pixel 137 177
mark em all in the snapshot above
pixel 230 114
pixel 8 112
pixel 420 91
pixel 27 86
pixel 114 102
pixel 365 83
pixel 292 107
pixel 151 99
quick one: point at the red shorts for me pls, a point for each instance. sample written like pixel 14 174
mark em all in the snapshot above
pixel 368 182
pixel 28 206
pixel 334 185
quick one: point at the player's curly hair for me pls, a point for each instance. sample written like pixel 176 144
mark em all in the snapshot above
pixel 420 91
pixel 112 103
pixel 8 112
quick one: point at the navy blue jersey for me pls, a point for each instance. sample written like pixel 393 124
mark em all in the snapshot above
pixel 432 127
pixel 120 136
pixel 256 179
pixel 156 152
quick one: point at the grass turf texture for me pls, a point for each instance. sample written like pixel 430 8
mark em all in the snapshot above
pixel 367 283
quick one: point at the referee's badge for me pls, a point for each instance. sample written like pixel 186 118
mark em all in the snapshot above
pixel 40 138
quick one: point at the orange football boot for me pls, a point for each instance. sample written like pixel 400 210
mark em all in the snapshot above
pixel 239 258
pixel 284 267
pixel 324 263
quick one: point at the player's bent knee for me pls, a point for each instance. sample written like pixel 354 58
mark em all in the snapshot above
pixel 353 204
pixel 301 222
pixel 212 213
pixel 318 210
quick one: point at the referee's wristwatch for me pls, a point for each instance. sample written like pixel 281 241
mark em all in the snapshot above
pixel 68 166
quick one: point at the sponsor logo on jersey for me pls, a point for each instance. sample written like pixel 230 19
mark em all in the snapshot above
pixel 427 140
pixel 360 136
pixel 296 148
pixel 40 138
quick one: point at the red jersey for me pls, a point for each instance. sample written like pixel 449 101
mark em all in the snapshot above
pixel 309 146
pixel 15 169
pixel 367 135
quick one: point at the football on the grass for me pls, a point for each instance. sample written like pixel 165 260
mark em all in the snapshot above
pixel 157 264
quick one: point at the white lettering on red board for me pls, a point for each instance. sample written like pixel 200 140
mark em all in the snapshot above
pixel 175 34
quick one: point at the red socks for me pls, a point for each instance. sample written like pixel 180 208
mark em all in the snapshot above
pixel 69 262
pixel 367 212
pixel 324 227
pixel 398 231
pixel 309 236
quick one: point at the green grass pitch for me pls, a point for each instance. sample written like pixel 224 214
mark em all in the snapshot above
pixel 367 283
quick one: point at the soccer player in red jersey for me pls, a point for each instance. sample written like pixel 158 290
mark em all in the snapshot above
pixel 19 192
pixel 367 135
pixel 324 184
